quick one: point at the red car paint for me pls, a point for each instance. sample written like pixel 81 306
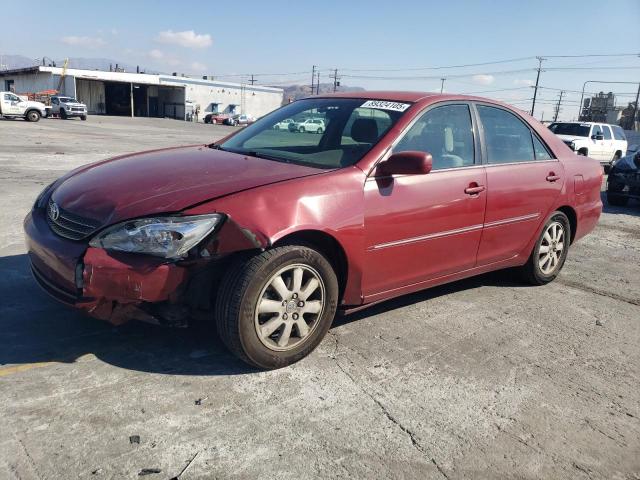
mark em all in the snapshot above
pixel 380 226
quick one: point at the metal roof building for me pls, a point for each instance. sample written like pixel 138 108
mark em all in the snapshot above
pixel 142 94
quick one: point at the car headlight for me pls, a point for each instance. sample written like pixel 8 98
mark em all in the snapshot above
pixel 167 237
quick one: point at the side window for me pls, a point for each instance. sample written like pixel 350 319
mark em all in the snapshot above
pixel 446 133
pixel 606 132
pixel 618 133
pixel 596 130
pixel 507 138
pixel 540 150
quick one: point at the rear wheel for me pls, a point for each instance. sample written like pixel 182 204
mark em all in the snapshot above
pixel 550 252
pixel 274 308
pixel 301 129
pixel 33 116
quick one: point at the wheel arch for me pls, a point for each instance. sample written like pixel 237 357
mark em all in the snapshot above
pixel 326 244
pixel 573 218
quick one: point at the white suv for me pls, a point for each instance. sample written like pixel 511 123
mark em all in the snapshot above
pixel 599 141
pixel 311 125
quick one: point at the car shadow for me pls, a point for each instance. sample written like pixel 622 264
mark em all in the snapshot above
pixel 632 208
pixel 35 328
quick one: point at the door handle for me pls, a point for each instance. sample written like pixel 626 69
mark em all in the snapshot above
pixel 552 177
pixel 474 189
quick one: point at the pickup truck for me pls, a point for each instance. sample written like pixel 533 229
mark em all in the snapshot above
pixel 11 105
pixel 68 107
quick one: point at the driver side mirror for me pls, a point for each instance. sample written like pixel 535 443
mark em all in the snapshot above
pixel 406 163
pixel 597 137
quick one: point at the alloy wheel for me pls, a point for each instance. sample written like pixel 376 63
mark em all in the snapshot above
pixel 289 307
pixel 551 248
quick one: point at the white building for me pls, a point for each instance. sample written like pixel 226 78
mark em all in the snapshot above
pixel 144 95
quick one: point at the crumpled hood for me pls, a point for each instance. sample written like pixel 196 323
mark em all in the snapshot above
pixel 167 180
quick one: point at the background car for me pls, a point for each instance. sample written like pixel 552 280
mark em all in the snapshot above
pixel 600 141
pixel 623 182
pixel 283 125
pixel 310 125
pixel 215 118
pixel 68 107
pixel 240 119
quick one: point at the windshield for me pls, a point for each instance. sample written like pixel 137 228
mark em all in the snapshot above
pixel 573 129
pixel 340 131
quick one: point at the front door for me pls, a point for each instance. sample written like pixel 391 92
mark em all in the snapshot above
pixel 11 104
pixel 523 181
pixel 420 227
pixel 596 149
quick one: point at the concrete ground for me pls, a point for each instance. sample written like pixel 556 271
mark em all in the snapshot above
pixel 484 378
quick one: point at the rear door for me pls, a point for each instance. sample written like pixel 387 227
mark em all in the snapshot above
pixel 523 181
pixel 419 227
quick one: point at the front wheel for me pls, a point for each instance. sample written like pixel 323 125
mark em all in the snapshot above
pixel 301 129
pixel 83 117
pixel 63 114
pixel 33 116
pixel 320 131
pixel 550 252
pixel 274 308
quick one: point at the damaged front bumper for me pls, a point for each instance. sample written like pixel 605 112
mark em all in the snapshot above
pixel 118 287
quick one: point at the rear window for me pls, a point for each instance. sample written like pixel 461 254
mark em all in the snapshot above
pixel 573 129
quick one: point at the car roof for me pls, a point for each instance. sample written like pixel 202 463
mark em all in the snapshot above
pixel 414 97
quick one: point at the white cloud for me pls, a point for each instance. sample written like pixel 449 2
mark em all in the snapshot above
pixel 188 38
pixel 198 67
pixel 482 79
pixel 89 42
pixel 525 82
pixel 156 54
pixel 114 31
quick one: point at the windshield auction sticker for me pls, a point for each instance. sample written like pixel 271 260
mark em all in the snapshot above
pixel 384 105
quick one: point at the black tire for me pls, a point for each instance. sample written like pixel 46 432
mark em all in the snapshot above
pixel 583 152
pixel 617 200
pixel 83 117
pixel 63 114
pixel 32 116
pixel 301 130
pixel 240 291
pixel 531 271
pixel 319 131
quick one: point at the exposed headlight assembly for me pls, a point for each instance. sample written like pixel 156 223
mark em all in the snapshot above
pixel 167 237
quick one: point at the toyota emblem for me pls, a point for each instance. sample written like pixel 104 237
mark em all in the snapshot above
pixel 54 211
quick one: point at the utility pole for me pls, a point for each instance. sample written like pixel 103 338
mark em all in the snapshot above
pixel 313 78
pixel 336 84
pixel 253 80
pixel 318 84
pixel 635 111
pixel 535 92
pixel 442 84
pixel 555 117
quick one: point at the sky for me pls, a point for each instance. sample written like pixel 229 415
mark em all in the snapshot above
pixel 391 45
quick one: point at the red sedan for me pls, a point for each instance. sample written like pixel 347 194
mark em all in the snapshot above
pixel 269 233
